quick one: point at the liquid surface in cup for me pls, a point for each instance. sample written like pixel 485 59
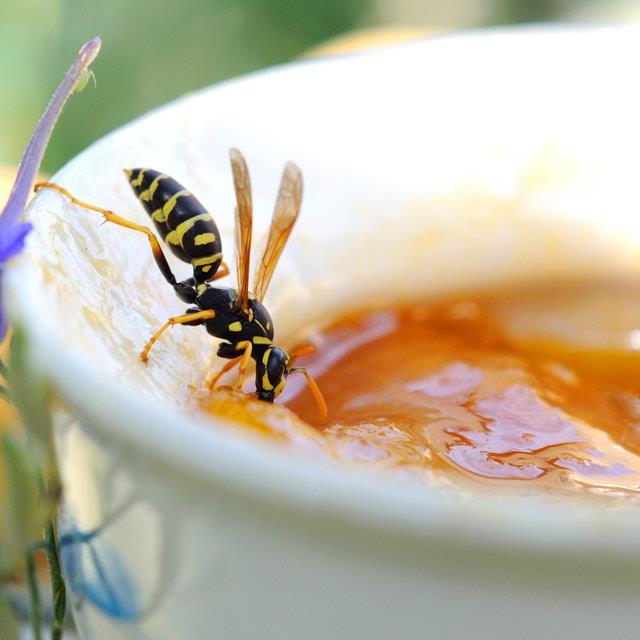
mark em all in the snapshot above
pixel 516 389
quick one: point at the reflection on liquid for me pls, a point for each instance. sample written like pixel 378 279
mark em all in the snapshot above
pixel 484 390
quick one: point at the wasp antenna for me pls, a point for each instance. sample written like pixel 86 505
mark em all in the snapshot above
pixel 315 390
pixel 307 350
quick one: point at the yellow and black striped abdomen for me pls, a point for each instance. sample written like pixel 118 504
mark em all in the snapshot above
pixel 184 224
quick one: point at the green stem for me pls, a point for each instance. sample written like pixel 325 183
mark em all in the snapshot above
pixel 57 583
pixel 34 591
pixel 4 371
pixel 5 393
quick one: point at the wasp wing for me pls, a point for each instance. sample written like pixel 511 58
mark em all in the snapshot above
pixel 284 217
pixel 244 221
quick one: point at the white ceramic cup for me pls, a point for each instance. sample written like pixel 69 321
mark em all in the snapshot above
pixel 451 164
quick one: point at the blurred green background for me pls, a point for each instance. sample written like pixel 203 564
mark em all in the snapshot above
pixel 154 51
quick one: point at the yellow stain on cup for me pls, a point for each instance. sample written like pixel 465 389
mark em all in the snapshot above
pixel 368 39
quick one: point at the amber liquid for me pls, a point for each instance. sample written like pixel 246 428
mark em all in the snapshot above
pixel 526 389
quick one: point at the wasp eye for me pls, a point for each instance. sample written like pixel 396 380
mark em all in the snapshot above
pixel 276 366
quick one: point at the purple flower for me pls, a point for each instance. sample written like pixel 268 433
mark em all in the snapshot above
pixel 13 230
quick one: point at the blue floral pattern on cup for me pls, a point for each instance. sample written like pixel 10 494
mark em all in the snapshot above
pixel 96 573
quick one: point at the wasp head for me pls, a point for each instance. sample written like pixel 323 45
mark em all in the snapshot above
pixel 271 373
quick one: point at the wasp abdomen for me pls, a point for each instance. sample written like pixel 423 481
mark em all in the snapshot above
pixel 184 224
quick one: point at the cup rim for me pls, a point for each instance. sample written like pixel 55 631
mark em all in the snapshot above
pixel 251 468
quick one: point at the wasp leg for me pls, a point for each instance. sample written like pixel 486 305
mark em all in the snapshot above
pixel 307 350
pixel 110 216
pixel 245 345
pixel 227 367
pixel 223 270
pixel 186 290
pixel 228 351
pixel 193 317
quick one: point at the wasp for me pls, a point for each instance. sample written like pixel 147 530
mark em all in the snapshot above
pixel 235 316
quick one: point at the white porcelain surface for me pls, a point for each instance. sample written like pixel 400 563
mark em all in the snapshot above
pixel 448 164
